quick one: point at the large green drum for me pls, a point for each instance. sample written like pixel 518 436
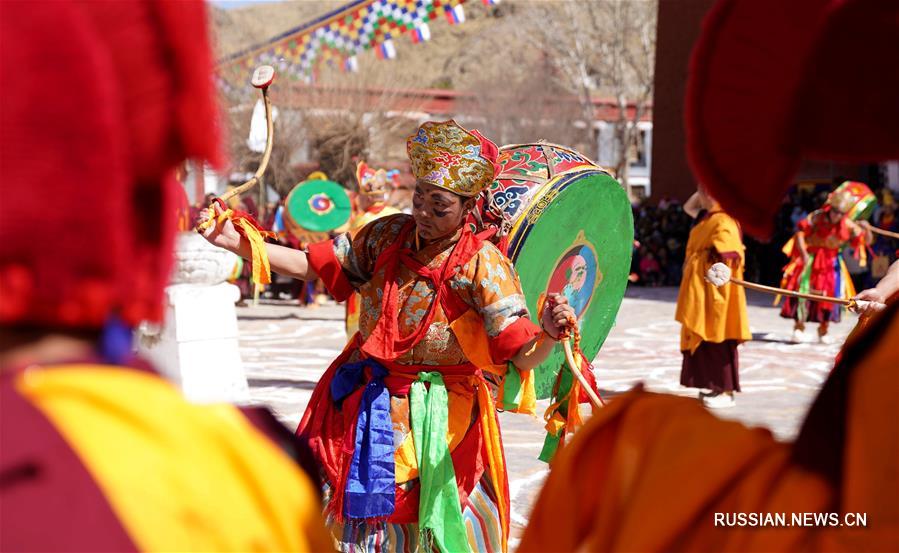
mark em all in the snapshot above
pixel 315 207
pixel 570 230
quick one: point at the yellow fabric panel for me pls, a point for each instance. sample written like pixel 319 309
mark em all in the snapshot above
pixel 846 279
pixel 709 313
pixel 496 462
pixel 180 477
pixel 649 452
pixel 352 314
pixel 460 408
pixel 366 217
pixel 472 337
pixel 406 462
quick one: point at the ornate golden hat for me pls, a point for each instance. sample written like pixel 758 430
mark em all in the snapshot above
pixel 854 199
pixel 446 155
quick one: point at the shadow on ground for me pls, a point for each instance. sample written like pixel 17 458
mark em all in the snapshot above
pixel 281 383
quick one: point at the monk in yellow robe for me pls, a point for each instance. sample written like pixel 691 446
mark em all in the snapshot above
pixel 655 472
pixel 643 452
pixel 714 320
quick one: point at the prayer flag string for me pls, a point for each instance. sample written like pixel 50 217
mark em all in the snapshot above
pixel 339 36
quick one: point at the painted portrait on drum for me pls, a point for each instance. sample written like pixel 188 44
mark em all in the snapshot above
pixel 576 275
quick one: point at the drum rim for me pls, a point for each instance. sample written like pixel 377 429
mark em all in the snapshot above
pixel 520 229
pixel 553 145
pixel 518 235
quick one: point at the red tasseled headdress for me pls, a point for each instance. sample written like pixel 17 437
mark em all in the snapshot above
pixel 101 101
pixel 768 87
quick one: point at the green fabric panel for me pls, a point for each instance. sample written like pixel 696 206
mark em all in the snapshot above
pixel 512 389
pixel 439 509
pixel 550 445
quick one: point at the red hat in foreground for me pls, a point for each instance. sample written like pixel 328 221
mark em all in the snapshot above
pixel 101 101
pixel 772 83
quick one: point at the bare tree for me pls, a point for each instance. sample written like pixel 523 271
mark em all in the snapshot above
pixel 516 99
pixel 604 47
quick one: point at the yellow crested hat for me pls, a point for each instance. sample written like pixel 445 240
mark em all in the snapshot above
pixel 372 182
pixel 446 155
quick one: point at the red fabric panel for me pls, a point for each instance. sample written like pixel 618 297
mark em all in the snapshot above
pixel 507 343
pixel 453 305
pixel 853 117
pixel 738 102
pixel 48 499
pixel 330 431
pixel 324 262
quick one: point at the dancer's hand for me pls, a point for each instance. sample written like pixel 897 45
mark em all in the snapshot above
pixel 875 299
pixel 557 318
pixel 222 234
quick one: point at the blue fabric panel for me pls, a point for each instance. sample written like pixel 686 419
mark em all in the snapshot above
pixel 370 487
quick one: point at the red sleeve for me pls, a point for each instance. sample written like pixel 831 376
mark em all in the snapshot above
pixel 730 256
pixel 324 262
pixel 505 345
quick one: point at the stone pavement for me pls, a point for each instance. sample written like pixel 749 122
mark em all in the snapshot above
pixel 286 348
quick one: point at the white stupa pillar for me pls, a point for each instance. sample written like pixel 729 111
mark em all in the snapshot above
pixel 196 347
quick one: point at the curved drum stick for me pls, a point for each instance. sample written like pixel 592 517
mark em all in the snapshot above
pixel 262 78
pixel 719 274
pixel 572 364
pixel 887 233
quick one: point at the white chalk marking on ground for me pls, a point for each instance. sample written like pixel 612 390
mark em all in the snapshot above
pixel 516 486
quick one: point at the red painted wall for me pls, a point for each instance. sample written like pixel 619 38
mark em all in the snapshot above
pixel 678 27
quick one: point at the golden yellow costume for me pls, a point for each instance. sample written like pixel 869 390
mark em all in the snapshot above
pixel 166 452
pixel 713 319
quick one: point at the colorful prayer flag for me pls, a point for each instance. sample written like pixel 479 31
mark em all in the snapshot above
pixel 342 34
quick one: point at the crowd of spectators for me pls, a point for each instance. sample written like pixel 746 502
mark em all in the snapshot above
pixel 660 238
pixel 661 231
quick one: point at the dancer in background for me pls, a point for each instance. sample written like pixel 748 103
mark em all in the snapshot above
pixel 371 204
pixel 816 264
pixel 713 320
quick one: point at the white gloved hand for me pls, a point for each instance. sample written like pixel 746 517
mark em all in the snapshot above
pixel 718 274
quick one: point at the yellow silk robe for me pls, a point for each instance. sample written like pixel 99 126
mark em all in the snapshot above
pixel 179 476
pixel 708 313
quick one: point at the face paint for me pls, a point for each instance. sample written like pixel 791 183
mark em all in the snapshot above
pixel 437 212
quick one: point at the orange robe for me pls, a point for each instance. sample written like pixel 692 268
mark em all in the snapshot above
pixel 468 335
pixel 358 223
pixel 650 472
pixel 706 312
